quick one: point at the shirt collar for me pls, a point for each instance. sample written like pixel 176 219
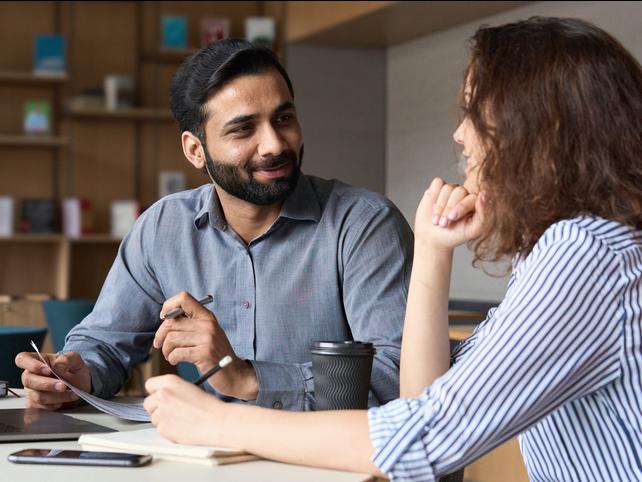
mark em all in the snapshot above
pixel 302 204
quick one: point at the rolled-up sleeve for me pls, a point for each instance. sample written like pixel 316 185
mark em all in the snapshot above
pixel 284 385
pixel 395 432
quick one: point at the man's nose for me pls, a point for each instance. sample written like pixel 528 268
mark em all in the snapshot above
pixel 270 143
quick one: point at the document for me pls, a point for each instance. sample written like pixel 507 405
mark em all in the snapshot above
pixel 129 411
pixel 150 441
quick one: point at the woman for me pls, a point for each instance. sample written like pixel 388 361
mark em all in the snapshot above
pixel 552 134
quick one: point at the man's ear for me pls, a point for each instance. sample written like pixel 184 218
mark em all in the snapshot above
pixel 193 149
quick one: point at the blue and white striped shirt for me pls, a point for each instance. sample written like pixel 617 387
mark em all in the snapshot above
pixel 559 362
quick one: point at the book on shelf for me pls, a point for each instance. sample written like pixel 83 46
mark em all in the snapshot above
pixel 214 29
pixel 119 91
pixel 37 117
pixel 77 217
pixel 87 99
pixel 174 31
pixel 261 31
pixel 123 216
pixel 150 441
pixel 170 182
pixel 38 297
pixel 6 216
pixel 39 216
pixel 49 54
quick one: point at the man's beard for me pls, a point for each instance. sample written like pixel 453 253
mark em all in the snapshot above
pixel 239 180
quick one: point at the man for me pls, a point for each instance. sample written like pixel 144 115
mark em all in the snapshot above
pixel 289 259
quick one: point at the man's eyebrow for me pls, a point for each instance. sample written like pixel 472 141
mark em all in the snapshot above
pixel 241 119
pixel 250 117
pixel 288 104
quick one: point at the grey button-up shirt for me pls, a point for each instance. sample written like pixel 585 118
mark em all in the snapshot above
pixel 334 265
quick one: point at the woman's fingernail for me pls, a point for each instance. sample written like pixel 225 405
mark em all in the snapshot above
pixel 60 387
pixel 443 222
pixel 45 371
pixel 452 215
pixel 435 219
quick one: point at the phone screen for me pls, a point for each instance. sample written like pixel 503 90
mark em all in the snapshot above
pixel 78 457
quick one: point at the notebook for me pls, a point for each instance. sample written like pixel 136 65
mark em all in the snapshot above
pixel 150 441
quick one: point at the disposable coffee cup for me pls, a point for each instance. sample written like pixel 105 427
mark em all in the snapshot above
pixel 341 372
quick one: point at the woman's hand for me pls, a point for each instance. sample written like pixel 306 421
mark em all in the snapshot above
pixel 182 412
pixel 448 215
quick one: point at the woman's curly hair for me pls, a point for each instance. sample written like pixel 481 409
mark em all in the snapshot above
pixel 557 105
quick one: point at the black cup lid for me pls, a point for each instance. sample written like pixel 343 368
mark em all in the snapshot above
pixel 342 348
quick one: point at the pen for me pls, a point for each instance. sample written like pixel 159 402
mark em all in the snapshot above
pixel 226 360
pixel 176 312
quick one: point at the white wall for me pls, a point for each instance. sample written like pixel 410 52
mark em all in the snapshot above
pixel 339 94
pixel 423 78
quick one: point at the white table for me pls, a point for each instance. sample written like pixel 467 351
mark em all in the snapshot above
pixel 158 470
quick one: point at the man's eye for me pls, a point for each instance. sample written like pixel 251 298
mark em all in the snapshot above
pixel 284 118
pixel 243 129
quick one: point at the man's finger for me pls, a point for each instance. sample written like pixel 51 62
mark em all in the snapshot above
pixel 50 398
pixel 37 382
pixel 182 324
pixel 69 361
pixel 31 362
pixel 182 354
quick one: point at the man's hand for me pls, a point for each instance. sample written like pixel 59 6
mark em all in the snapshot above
pixel 43 389
pixel 197 337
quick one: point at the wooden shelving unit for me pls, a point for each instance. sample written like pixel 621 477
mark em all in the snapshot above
pixel 94 153
pixel 27 77
pixel 167 55
pixel 25 140
pixel 133 113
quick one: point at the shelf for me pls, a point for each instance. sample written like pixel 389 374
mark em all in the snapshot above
pixel 57 238
pixel 27 77
pixel 134 113
pixel 96 239
pixel 168 55
pixel 35 140
pixel 32 238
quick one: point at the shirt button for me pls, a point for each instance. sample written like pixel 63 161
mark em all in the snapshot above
pixel 246 304
pixel 278 405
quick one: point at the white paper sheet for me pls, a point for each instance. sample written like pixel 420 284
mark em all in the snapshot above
pixel 129 411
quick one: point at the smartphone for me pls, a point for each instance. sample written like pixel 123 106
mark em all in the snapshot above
pixel 78 457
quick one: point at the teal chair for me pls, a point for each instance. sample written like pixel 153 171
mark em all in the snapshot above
pixel 187 371
pixel 62 316
pixel 13 340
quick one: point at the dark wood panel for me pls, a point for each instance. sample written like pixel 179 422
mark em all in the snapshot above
pixel 90 264
pixel 19 22
pixel 104 165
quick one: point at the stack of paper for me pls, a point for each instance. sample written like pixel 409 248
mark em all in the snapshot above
pixel 150 441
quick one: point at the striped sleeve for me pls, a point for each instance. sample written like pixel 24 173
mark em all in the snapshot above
pixel 466 345
pixel 555 338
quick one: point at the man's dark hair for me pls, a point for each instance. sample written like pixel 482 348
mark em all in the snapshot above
pixel 204 73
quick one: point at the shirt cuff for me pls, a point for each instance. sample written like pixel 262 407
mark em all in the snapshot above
pixel 396 431
pixel 282 385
